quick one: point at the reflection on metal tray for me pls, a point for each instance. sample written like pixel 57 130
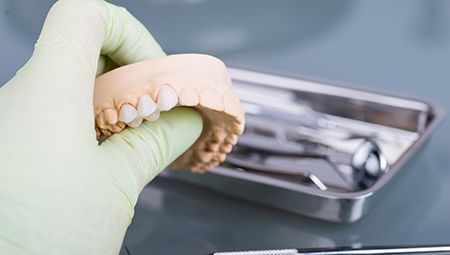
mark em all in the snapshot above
pixel 316 149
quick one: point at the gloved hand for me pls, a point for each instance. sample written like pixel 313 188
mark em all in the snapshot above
pixel 60 192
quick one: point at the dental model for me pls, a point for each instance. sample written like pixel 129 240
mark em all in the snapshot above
pixel 129 94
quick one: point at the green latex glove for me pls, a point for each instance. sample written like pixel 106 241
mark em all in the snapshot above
pixel 60 192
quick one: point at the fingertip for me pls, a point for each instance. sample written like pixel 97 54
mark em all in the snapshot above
pixel 183 125
pixel 127 40
pixel 156 144
pixel 187 117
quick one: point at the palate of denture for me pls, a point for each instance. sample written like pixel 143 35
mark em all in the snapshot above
pixel 127 95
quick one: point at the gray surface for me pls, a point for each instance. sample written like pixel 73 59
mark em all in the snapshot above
pixel 401 46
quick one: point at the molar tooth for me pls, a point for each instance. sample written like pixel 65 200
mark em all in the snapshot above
pixel 111 116
pixel 167 98
pixel 226 148
pixel 146 106
pixel 127 113
pixel 231 139
pixel 205 157
pixel 219 134
pixel 100 121
pixel 118 127
pixel 213 147
pixel 136 122
pixel 221 158
pixel 154 116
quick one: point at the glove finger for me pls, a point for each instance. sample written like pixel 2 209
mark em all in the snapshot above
pixel 63 66
pixel 154 145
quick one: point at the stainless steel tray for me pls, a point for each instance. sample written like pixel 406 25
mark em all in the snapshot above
pixel 331 119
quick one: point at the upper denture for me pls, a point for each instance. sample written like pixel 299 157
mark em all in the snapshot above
pixel 130 93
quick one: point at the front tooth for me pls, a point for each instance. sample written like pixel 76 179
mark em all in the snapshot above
pixel 188 97
pixel 152 117
pixel 167 98
pixel 230 105
pixel 146 106
pixel 127 113
pixel 136 122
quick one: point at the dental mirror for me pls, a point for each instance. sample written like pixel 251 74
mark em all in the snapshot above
pixel 368 163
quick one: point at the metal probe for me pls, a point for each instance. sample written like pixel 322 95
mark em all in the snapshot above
pixel 370 250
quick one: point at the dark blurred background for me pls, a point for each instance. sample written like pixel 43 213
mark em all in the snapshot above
pixel 401 47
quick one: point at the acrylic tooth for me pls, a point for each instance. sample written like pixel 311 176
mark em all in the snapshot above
pixel 188 97
pixel 127 113
pixel 230 105
pixel 136 122
pixel 231 139
pixel 154 116
pixel 101 121
pixel 206 157
pixel 213 147
pixel 219 134
pixel 118 127
pixel 222 157
pixel 167 98
pixel 146 106
pixel 226 148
